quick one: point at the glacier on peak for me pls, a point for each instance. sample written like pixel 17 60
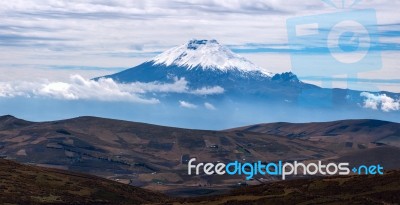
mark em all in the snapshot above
pixel 206 54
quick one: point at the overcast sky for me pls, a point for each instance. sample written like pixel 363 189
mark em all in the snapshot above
pixel 52 39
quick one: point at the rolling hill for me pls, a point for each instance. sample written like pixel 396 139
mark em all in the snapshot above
pixel 155 157
pixel 361 131
pixel 384 189
pixel 23 184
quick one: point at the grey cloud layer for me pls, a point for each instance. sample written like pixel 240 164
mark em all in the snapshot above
pixel 123 33
pixel 105 26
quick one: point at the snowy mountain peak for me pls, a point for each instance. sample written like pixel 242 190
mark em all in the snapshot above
pixel 206 54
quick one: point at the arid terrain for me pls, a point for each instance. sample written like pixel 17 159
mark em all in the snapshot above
pixel 381 189
pixel 24 184
pixel 27 184
pixel 155 157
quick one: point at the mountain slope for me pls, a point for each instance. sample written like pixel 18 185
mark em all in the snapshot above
pixel 245 90
pixel 205 63
pixel 207 55
pixel 22 184
pixel 383 189
pixel 155 157
pixel 10 122
pixel 362 131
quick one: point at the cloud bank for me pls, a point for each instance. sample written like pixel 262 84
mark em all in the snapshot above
pixel 75 32
pixel 380 102
pixel 41 37
pixel 105 89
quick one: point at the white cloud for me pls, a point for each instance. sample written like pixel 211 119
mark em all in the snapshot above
pixel 380 101
pixel 209 106
pixel 179 86
pixel 208 90
pixel 187 104
pixel 105 89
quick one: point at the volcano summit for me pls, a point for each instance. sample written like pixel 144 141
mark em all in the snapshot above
pixel 207 63
pixel 247 92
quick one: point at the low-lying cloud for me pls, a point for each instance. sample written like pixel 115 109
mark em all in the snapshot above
pixel 380 102
pixel 187 104
pixel 209 90
pixel 209 106
pixel 104 89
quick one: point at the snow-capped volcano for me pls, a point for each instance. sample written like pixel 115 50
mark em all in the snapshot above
pixel 206 54
pixel 206 63
pixel 208 77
